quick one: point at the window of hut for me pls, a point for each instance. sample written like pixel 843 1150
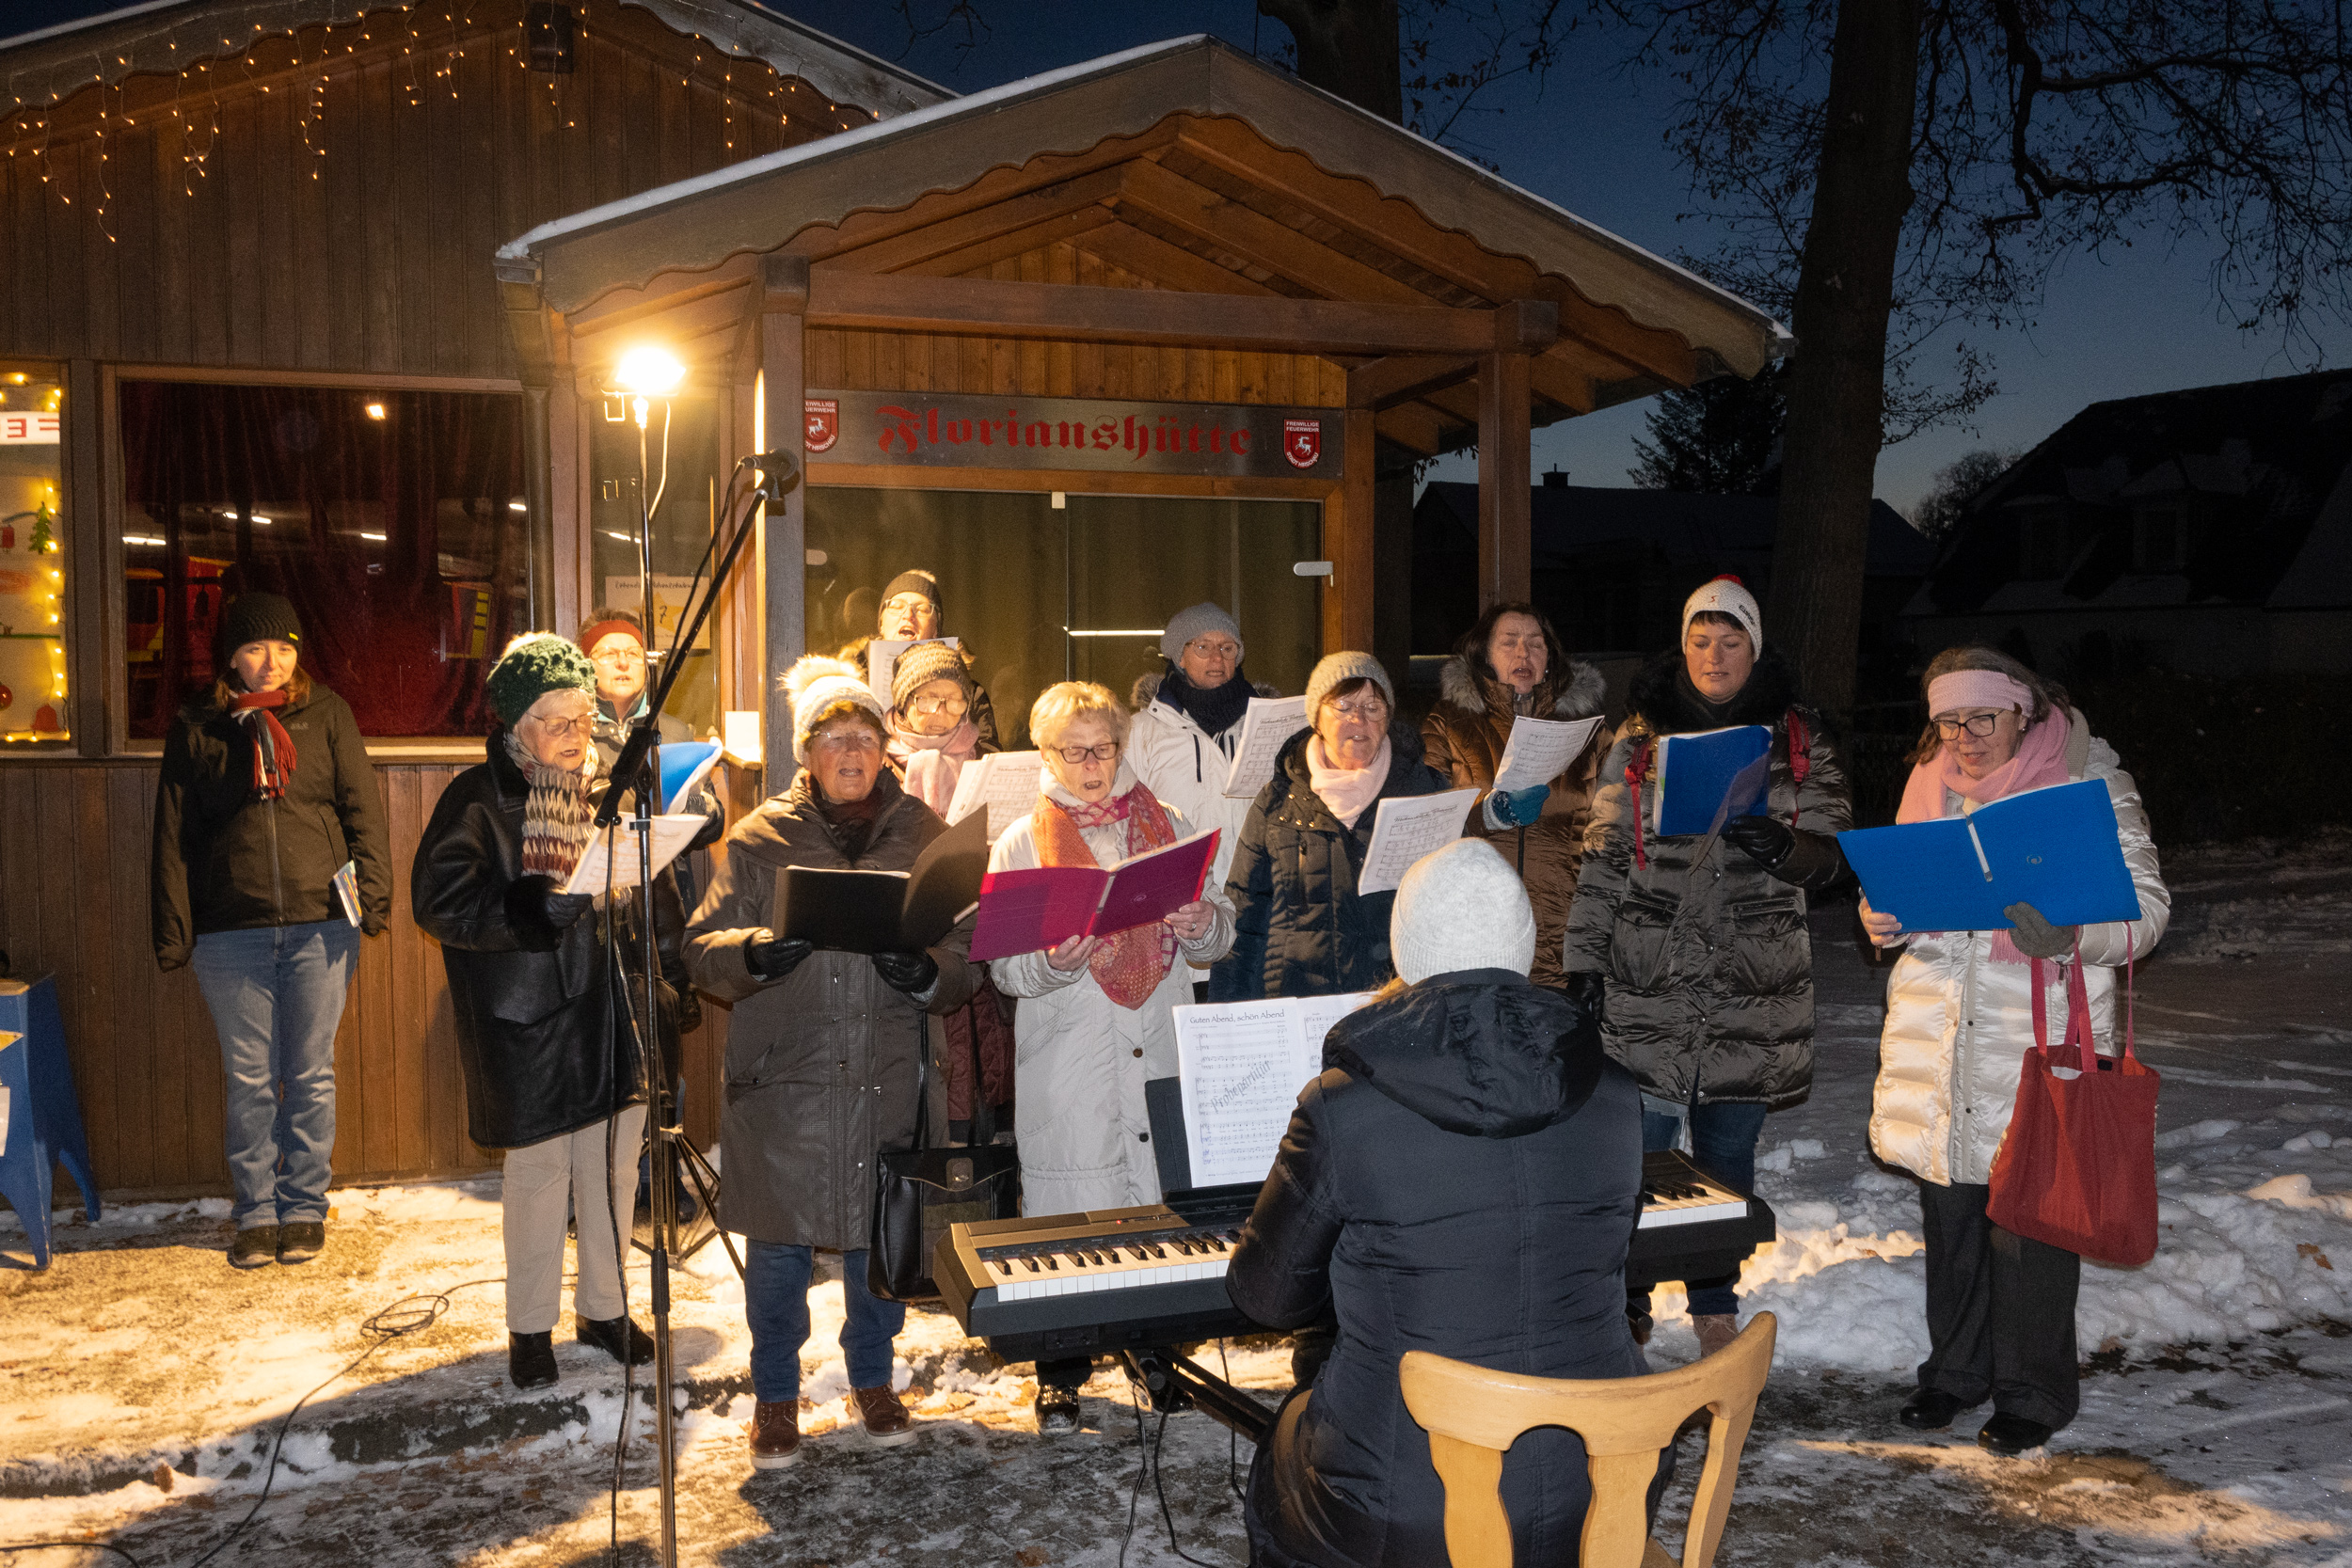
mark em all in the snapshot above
pixel 32 555
pixel 393 520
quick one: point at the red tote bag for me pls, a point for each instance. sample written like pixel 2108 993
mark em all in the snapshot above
pixel 2078 1166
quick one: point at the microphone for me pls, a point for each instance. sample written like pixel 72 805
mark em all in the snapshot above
pixel 775 464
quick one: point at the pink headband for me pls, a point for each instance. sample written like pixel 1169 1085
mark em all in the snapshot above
pixel 1977 688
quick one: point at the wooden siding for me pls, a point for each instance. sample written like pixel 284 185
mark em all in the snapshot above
pixel 350 194
pixel 73 901
pixel 926 362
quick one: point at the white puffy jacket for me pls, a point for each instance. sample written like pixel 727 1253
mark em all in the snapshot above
pixel 1080 1060
pixel 1959 1024
pixel 1185 768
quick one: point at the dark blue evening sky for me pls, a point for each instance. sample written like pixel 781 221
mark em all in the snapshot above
pixel 2141 320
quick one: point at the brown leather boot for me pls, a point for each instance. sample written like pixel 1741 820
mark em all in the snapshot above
pixel 1715 1331
pixel 887 1423
pixel 776 1434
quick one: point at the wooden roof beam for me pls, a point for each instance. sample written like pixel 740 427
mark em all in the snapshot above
pixel 1250 235
pixel 924 247
pixel 1170 266
pixel 1383 382
pixel 1081 315
pixel 1068 229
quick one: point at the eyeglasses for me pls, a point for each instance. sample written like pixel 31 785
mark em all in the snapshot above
pixel 557 729
pixel 1107 751
pixel 939 705
pixel 859 740
pixel 1222 647
pixel 908 601
pixel 1371 710
pixel 1978 724
pixel 620 656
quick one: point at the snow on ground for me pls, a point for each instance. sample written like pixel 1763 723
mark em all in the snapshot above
pixel 145 1379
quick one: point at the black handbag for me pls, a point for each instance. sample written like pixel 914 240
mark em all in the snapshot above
pixel 920 1191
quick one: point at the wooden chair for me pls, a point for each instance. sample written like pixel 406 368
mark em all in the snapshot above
pixel 1473 1415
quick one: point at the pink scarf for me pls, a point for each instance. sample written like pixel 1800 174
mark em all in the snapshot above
pixel 1346 790
pixel 2041 760
pixel 929 765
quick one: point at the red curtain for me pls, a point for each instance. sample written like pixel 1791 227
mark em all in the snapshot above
pixel 391 521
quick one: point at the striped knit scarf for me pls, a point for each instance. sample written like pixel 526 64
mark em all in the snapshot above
pixel 1130 966
pixel 559 814
pixel 273 748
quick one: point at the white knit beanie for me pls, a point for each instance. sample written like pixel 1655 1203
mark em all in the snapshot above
pixel 1337 670
pixel 1461 907
pixel 817 683
pixel 1726 595
pixel 1196 621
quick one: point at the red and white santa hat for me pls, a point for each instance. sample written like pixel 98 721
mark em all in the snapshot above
pixel 1726 595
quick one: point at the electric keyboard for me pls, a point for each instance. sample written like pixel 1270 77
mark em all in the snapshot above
pixel 1113 1279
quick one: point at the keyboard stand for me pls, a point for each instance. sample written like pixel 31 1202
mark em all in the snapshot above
pixel 1175 1382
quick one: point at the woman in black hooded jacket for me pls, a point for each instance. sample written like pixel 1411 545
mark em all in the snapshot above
pixel 1464 1179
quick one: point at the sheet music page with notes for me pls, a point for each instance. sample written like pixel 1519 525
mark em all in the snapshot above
pixel 1407 829
pixel 1241 1066
pixel 1006 782
pixel 1540 749
pixel 1266 729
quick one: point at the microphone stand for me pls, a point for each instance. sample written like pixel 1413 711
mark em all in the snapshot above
pixel 636 767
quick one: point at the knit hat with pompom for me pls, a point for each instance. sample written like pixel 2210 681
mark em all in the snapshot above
pixel 817 683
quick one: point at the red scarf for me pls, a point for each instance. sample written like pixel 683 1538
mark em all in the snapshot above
pixel 273 748
pixel 1130 966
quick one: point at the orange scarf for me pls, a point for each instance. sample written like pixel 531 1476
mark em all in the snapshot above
pixel 1130 966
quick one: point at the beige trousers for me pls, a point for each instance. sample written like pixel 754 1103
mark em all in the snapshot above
pixel 562 1176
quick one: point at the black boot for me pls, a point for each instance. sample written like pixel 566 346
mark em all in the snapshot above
pixel 618 1337
pixel 531 1360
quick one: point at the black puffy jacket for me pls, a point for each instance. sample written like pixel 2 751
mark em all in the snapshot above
pixel 1300 928
pixel 1463 1179
pixel 225 861
pixel 543 1048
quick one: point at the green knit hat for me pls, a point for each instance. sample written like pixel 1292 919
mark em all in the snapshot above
pixel 534 664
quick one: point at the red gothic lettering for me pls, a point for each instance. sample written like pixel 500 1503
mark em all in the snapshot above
pixel 901 427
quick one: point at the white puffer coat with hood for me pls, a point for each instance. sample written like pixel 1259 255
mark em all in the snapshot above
pixel 1959 1024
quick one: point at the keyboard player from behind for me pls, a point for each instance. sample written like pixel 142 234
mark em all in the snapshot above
pixel 1464 1178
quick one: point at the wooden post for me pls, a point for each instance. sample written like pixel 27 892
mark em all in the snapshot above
pixel 1347 541
pixel 784 533
pixel 1503 479
pixel 86 604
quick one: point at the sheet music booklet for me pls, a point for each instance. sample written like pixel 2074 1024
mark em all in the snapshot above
pixel 2055 849
pixel 1006 782
pixel 1240 1067
pixel 1696 774
pixel 1266 729
pixel 1408 828
pixel 1540 749
pixel 884 911
pixel 1033 909
pixel 618 848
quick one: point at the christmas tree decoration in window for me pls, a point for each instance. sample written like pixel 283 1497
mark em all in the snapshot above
pixel 32 557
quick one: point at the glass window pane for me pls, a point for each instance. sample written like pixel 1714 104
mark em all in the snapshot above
pixel 686 487
pixel 393 521
pixel 32 556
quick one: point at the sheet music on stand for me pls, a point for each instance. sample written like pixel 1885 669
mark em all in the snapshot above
pixel 1240 1066
pixel 1540 749
pixel 1407 829
pixel 1006 782
pixel 617 850
pixel 1266 729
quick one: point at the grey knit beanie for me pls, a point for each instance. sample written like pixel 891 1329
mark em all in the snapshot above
pixel 1461 907
pixel 1338 670
pixel 1200 619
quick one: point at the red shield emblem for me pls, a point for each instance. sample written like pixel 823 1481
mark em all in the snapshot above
pixel 1302 442
pixel 824 423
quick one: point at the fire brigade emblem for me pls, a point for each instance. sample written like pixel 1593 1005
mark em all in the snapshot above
pixel 824 423
pixel 1302 442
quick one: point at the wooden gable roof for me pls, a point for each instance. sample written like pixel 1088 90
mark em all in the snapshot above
pixel 1184 167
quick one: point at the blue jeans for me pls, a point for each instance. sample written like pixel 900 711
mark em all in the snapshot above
pixel 277 993
pixel 775 1292
pixel 1722 1144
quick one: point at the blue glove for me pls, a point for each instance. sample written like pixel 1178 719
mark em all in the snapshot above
pixel 1517 808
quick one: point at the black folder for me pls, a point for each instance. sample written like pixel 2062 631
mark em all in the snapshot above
pixel 887 911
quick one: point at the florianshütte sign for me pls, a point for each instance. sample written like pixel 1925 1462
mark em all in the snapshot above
pixel 961 431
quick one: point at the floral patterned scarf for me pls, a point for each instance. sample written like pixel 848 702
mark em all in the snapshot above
pixel 1130 966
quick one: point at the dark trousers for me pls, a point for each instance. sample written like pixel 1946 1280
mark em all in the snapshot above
pixel 2001 1310
pixel 1722 1144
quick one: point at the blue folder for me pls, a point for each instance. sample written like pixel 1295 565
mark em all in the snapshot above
pixel 1696 772
pixel 681 760
pixel 2055 849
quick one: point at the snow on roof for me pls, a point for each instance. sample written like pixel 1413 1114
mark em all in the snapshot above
pixel 979 106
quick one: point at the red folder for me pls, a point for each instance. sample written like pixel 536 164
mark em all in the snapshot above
pixel 1029 910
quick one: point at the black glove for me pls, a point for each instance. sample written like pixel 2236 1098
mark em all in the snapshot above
pixel 561 909
pixel 1765 840
pixel 690 1010
pixel 772 958
pixel 1588 988
pixel 911 972
pixel 2037 937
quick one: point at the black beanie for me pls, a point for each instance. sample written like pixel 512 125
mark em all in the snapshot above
pixel 260 618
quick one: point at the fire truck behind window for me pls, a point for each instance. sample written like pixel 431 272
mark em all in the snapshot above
pixel 393 521
pixel 32 557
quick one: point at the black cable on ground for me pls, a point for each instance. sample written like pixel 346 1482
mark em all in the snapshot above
pixel 1159 1484
pixel 73 1546
pixel 1142 1462
pixel 1233 1438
